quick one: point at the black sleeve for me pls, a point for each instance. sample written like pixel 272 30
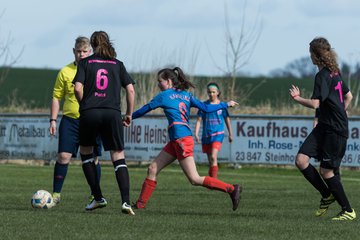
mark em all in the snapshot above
pixel 125 77
pixel 345 88
pixel 321 87
pixel 80 73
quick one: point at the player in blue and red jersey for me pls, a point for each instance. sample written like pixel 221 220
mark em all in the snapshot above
pixel 98 83
pixel 213 128
pixel 176 103
pixel 327 141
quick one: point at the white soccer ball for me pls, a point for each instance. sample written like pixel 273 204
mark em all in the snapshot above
pixel 42 199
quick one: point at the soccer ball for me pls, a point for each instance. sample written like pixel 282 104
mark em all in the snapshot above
pixel 42 199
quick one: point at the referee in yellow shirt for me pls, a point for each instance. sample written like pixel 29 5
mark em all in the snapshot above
pixel 69 124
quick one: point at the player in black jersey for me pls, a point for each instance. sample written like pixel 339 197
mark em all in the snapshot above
pixel 327 141
pixel 98 82
pixel 315 122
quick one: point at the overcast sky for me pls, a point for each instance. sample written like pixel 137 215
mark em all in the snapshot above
pixel 150 34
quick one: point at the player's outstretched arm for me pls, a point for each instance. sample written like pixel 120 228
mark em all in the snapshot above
pixel 232 103
pixel 294 92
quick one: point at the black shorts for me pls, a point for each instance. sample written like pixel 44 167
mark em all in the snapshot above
pixel 69 137
pixel 326 146
pixel 104 122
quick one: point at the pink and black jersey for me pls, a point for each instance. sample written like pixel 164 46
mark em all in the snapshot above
pixel 330 90
pixel 103 82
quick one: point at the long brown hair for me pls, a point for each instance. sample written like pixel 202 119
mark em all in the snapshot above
pixel 102 46
pixel 177 77
pixel 323 54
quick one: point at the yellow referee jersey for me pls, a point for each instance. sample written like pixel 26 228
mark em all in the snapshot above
pixel 64 89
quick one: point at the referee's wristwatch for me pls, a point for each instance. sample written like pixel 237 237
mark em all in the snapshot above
pixel 52 120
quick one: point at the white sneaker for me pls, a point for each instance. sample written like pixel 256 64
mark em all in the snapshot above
pixel 126 209
pixel 96 204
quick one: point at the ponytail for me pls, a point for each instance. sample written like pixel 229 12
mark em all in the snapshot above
pixel 177 77
pixel 102 45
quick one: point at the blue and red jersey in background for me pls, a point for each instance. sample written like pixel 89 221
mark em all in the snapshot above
pixel 176 104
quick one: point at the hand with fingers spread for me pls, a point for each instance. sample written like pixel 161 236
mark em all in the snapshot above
pixel 294 91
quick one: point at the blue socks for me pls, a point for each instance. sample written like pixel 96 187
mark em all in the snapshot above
pixel 60 172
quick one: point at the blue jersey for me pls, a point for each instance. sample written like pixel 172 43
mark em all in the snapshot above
pixel 176 105
pixel 213 125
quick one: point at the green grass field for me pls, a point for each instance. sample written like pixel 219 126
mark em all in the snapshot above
pixel 277 203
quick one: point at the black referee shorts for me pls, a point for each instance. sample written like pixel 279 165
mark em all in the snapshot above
pixel 105 122
pixel 326 146
pixel 69 137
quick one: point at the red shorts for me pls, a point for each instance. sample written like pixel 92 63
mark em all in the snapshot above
pixel 180 148
pixel 207 148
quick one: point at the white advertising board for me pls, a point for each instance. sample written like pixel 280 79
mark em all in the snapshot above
pixel 256 140
pixel 26 138
pixel 276 141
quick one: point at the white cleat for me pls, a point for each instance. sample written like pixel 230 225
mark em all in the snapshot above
pixel 126 209
pixel 96 204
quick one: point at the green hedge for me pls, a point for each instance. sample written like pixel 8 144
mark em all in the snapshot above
pixel 34 87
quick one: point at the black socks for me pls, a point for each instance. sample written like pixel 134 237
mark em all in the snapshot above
pixel 122 177
pixel 90 172
pixel 338 192
pixel 313 176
